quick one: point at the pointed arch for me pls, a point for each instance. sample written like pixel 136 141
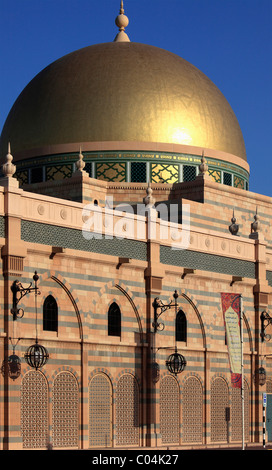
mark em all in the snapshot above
pixel 193 303
pixel 248 329
pixel 121 289
pixel 68 292
pixel 194 306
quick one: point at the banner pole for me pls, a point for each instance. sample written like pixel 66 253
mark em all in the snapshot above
pixel 242 372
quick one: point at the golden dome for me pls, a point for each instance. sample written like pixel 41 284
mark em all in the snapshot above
pixel 122 91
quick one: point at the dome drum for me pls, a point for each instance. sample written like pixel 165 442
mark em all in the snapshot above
pixel 124 166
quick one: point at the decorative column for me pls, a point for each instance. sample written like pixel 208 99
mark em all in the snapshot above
pixel 13 253
pixel 153 285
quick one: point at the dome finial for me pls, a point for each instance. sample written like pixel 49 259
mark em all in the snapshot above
pixel 8 167
pixel 80 164
pixel 203 167
pixel 255 226
pixel 121 22
pixel 149 200
pixel 233 228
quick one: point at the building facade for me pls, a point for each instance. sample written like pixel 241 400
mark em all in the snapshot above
pixel 86 203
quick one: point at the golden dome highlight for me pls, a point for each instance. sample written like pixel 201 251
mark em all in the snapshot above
pixel 122 91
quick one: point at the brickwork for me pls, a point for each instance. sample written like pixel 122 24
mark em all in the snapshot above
pixel 94 381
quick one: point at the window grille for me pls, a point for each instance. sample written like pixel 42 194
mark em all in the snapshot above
pixel 88 168
pixel 37 175
pixel 138 172
pixel 127 411
pixel 189 173
pixel 169 410
pixel 227 179
pixel 34 410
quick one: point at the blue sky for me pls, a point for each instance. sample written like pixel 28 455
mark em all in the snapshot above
pixel 229 40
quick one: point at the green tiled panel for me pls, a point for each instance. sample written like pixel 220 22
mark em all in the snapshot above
pixel 2 227
pixel 269 277
pixel 46 234
pixel 207 262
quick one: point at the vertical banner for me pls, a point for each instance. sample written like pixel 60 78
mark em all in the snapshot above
pixel 231 313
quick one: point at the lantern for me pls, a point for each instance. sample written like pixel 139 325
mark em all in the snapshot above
pixel 36 356
pixel 176 363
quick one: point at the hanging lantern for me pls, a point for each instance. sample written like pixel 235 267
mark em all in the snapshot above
pixel 14 366
pixel 176 363
pixel 262 376
pixel 36 356
pixel 11 367
pixel 259 376
pixel 155 372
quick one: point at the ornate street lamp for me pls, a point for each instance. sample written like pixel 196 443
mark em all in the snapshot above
pixel 262 376
pixel 36 355
pixel 176 362
pixel 17 288
pixel 158 304
pixel 14 366
pixel 11 367
pixel 266 320
pixel 259 376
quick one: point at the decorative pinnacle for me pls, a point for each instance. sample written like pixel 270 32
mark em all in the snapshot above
pixel 233 228
pixel 8 167
pixel 256 224
pixel 122 22
pixel 80 164
pixel 149 200
pixel 203 167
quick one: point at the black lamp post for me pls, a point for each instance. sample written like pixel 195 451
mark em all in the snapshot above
pixel 176 362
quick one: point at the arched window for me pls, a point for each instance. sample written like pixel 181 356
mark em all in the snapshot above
pixel 181 326
pixel 50 314
pixel 114 320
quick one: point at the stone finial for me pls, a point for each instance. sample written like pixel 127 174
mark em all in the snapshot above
pixel 203 167
pixel 255 226
pixel 122 22
pixel 149 200
pixel 233 228
pixel 80 164
pixel 8 167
